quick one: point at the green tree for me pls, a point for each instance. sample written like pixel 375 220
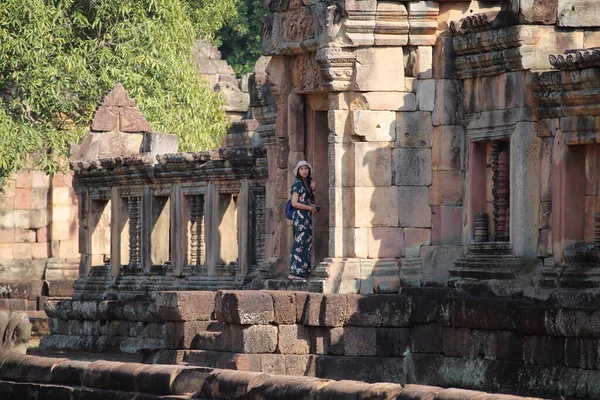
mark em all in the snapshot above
pixel 59 57
pixel 239 40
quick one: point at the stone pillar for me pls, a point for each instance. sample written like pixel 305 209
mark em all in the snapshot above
pixel 243 221
pixel 145 229
pixel 525 156
pixel 179 239
pixel 211 226
pixel 117 216
pixel 85 235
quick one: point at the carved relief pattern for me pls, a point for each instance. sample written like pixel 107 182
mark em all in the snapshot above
pixel 491 52
pixel 306 74
pixel 576 59
pixel 337 67
pixel 470 24
pixel 134 212
pixel 500 190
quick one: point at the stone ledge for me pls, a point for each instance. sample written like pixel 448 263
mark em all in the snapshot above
pixel 32 377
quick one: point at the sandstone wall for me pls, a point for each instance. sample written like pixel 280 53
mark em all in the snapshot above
pixel 423 336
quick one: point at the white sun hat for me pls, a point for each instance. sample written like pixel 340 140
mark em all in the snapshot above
pixel 300 164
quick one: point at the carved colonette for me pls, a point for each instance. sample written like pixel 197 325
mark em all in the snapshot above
pixel 152 219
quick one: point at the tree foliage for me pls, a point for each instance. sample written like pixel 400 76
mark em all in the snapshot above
pixel 59 57
pixel 239 40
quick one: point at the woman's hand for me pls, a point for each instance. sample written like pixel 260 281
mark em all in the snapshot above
pixel 313 209
pixel 313 185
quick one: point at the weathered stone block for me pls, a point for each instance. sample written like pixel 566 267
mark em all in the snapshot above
pixel 392 101
pixel 446 225
pixel 185 306
pixel 446 188
pixel 23 180
pixel 374 126
pixel 413 166
pixel 360 341
pixel 437 261
pixel 377 69
pixel 325 310
pixel 375 166
pixel 426 94
pixel 448 148
pixel 393 342
pixel 253 338
pixel 244 307
pixel 544 350
pixel 21 219
pixel 376 206
pixel 423 67
pixel 414 129
pixel 22 199
pixel 40 251
pixel 443 58
pixel 181 335
pixel 284 307
pixel 385 242
pixel 413 207
pixel 22 251
pixel 414 238
pixel 293 339
pixel 6 251
pixel 336 341
pixel 448 109
pixel 426 338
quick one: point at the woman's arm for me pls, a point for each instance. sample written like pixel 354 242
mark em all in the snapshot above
pixel 300 206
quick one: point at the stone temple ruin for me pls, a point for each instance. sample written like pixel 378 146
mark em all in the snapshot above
pixel 456 151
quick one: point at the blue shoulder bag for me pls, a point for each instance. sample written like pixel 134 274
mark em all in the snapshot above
pixel 289 210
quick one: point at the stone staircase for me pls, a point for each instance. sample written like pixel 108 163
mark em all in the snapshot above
pixel 492 268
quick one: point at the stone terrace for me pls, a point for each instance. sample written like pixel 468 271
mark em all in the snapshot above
pixel 424 336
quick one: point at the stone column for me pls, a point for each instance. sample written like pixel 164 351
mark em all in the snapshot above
pixel 211 227
pixel 145 229
pixel 179 239
pixel 117 213
pixel 243 221
pixel 85 235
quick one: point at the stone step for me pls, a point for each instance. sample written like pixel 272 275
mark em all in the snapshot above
pixel 483 273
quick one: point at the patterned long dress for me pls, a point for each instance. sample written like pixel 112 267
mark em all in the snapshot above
pixel 300 260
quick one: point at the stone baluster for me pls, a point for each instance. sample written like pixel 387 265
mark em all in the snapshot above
pixel 133 209
pixel 500 190
pixel 197 256
pixel 481 227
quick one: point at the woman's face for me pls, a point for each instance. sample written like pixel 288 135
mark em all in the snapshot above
pixel 304 171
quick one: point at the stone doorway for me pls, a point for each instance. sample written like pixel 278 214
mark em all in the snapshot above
pixel 316 139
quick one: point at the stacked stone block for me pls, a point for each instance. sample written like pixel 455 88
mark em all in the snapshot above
pixel 31 377
pixel 38 243
pixel 423 336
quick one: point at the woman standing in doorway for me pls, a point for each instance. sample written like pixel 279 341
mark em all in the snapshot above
pixel 303 201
